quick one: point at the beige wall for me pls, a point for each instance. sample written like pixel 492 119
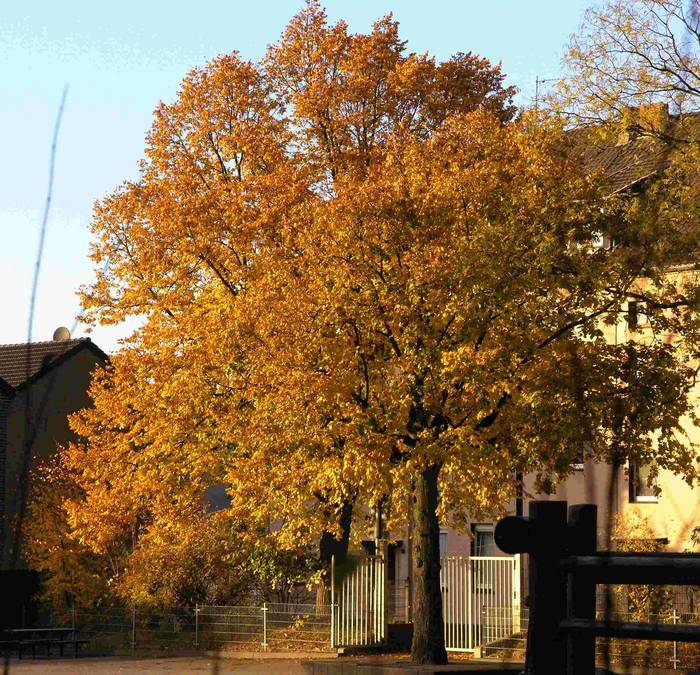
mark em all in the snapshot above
pixel 673 516
pixel 677 510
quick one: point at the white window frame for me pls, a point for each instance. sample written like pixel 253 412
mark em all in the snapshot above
pixel 483 528
pixel 635 498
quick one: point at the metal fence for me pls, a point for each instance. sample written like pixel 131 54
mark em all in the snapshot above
pixel 471 587
pixel 360 604
pixel 504 647
pixel 267 627
pixel 481 603
pixel 480 600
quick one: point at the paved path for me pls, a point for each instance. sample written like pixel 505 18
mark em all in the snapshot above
pixel 156 666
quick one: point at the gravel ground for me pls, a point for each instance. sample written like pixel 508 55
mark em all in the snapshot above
pixel 196 664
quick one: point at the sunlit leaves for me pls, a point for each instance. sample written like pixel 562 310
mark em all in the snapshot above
pixel 354 263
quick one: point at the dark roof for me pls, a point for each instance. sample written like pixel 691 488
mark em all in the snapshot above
pixel 20 363
pixel 629 163
pixel 628 155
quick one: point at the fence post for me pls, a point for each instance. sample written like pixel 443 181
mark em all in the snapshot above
pixel 582 532
pixel 546 644
pixel 674 660
pixel 264 611
pixel 196 625
pixel 384 585
pixel 72 618
pixel 133 628
pixel 407 600
pixel 333 601
pixel 470 605
pixel 517 602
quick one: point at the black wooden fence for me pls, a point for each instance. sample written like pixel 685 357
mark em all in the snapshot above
pixel 564 569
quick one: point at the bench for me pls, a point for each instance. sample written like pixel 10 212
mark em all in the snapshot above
pixel 21 640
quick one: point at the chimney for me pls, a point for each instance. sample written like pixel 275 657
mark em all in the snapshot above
pixel 653 117
pixel 649 118
pixel 61 334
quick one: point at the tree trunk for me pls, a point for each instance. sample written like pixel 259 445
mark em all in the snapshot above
pixel 330 546
pixel 428 644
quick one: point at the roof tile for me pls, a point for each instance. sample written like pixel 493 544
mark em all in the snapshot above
pixel 20 362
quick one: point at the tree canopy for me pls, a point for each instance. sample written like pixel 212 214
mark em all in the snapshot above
pixel 363 279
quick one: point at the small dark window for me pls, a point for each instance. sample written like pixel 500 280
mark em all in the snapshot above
pixel 483 542
pixel 642 489
pixel 443 544
pixel 632 315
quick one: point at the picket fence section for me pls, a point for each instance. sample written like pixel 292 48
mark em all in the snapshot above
pixel 480 600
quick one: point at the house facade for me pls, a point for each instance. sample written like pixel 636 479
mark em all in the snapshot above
pixel 41 385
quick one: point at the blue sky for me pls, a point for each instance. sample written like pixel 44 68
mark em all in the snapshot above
pixel 119 63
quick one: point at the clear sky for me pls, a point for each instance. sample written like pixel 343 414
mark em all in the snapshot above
pixel 119 59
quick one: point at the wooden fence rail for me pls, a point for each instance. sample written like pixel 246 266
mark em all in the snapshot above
pixel 564 569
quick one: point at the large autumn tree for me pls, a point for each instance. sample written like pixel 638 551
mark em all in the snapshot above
pixel 362 282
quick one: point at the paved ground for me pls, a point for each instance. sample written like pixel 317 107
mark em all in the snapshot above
pixel 196 664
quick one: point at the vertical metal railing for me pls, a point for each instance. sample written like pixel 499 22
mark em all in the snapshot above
pixel 264 615
pixel 333 612
pixel 497 597
pixel 360 615
pixel 456 604
pixel 480 600
pixel 196 625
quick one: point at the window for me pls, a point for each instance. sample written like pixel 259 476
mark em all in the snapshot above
pixel 641 488
pixel 632 315
pixel 483 543
pixel 443 544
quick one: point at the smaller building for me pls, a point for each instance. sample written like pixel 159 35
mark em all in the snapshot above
pixel 41 385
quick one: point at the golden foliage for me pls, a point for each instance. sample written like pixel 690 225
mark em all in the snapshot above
pixel 352 264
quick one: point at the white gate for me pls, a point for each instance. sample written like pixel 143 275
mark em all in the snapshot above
pixel 480 600
pixel 360 616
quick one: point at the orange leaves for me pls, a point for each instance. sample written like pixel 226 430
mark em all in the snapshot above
pixel 351 263
pixel 225 125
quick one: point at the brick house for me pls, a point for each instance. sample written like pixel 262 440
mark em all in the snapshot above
pixel 41 384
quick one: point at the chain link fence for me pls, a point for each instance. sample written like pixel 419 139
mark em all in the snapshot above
pixel 280 627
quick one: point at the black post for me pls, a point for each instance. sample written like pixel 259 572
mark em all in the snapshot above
pixel 546 644
pixel 582 535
